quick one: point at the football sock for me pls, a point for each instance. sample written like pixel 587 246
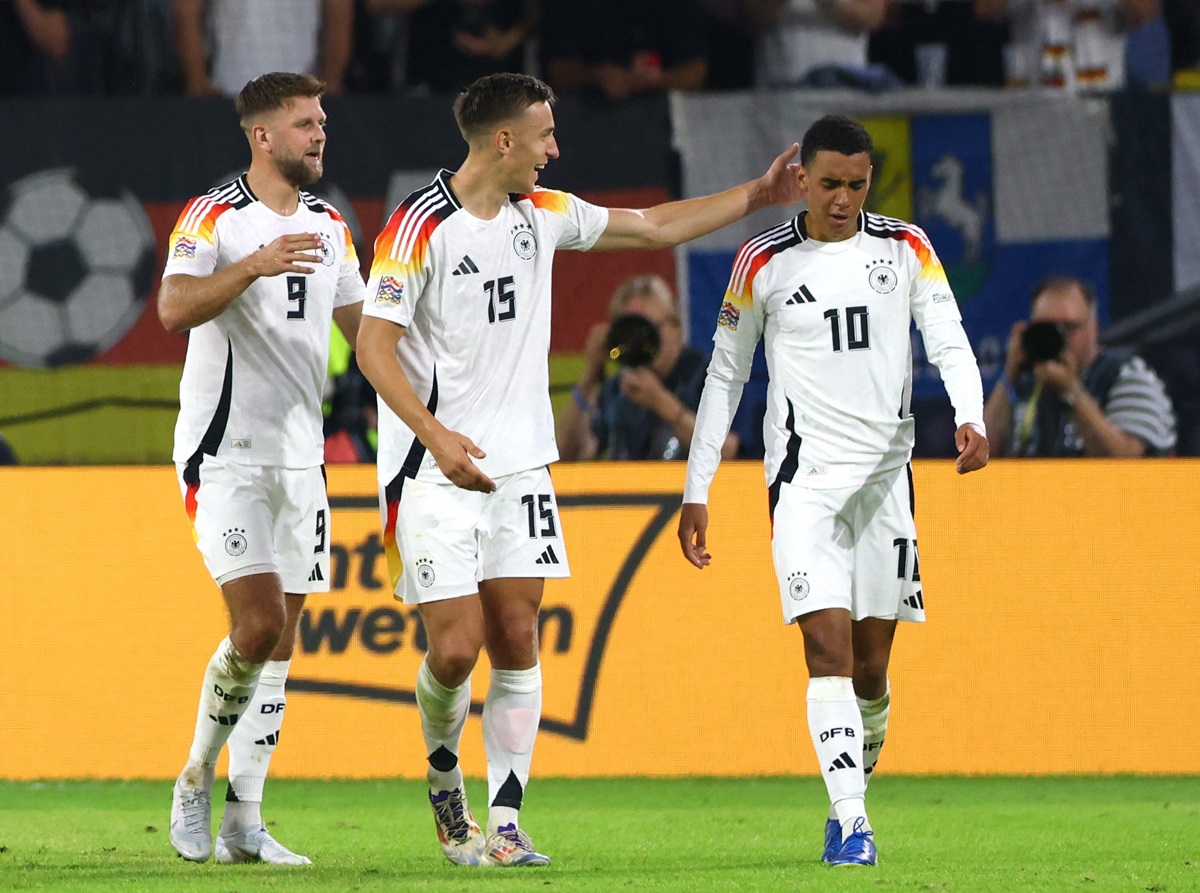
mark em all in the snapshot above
pixel 511 713
pixel 836 727
pixel 443 714
pixel 251 746
pixel 875 722
pixel 229 683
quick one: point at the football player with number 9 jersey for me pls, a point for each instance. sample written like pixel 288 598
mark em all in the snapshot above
pixel 257 270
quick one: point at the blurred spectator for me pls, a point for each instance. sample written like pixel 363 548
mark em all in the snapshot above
pixel 1062 394
pixel 454 42
pixel 1083 44
pixel 647 410
pixel 34 34
pixel 253 37
pixel 972 44
pixel 623 47
pixel 816 43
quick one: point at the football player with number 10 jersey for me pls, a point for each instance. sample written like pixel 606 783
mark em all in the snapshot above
pixel 833 292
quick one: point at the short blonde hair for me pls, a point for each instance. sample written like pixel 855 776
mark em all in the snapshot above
pixel 649 285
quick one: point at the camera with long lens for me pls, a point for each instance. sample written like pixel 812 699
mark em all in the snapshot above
pixel 633 341
pixel 1043 341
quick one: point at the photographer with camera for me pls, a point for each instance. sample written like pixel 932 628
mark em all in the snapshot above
pixel 1062 394
pixel 647 410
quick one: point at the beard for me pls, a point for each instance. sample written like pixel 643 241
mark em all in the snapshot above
pixel 297 172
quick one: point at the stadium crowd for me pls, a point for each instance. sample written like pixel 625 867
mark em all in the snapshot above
pixel 611 48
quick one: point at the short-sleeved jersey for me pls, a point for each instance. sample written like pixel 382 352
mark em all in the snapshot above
pixel 474 298
pixel 253 376
pixel 835 318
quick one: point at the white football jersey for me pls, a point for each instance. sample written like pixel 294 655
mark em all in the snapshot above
pixel 474 298
pixel 835 317
pixel 253 376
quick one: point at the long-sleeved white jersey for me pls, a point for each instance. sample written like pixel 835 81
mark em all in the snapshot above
pixel 835 317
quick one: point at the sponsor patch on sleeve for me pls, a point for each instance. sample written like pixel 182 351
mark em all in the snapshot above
pixel 942 297
pixel 185 246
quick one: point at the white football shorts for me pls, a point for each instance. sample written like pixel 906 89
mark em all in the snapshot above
pixel 251 519
pixel 441 540
pixel 852 548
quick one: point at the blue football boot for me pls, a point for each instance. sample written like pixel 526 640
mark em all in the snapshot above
pixel 833 840
pixel 858 848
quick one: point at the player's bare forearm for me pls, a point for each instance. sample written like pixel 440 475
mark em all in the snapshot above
pixel 185 302
pixel 693 528
pixel 973 449
pixel 376 346
pixel 673 223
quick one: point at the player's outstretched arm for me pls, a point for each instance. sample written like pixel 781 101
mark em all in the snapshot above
pixel 185 302
pixel 973 449
pixel 377 339
pixel 673 223
pixel 693 527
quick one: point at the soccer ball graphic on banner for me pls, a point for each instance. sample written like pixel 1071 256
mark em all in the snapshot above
pixel 75 269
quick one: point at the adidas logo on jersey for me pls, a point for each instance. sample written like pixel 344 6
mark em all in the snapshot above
pixel 316 574
pixel 548 557
pixel 801 296
pixel 842 762
pixel 465 266
pixel 915 601
pixel 271 739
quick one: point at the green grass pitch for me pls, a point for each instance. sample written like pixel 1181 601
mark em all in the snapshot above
pixel 695 835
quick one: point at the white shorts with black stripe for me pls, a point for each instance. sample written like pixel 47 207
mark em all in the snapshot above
pixel 853 548
pixel 441 540
pixel 250 519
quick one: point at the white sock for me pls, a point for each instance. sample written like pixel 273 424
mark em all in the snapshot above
pixel 443 714
pixel 251 746
pixel 229 683
pixel 836 727
pixel 875 723
pixel 511 714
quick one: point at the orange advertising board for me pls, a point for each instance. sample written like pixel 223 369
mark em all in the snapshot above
pixel 1062 601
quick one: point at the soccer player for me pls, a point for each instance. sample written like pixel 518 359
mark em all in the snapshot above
pixel 833 291
pixel 256 271
pixel 454 338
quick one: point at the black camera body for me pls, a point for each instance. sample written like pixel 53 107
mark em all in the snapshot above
pixel 633 341
pixel 1043 341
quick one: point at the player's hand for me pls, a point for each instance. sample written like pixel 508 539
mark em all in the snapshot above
pixel 693 524
pixel 973 449
pixel 780 185
pixel 453 452
pixel 287 254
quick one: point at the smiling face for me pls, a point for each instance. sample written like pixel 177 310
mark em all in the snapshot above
pixel 526 143
pixel 294 135
pixel 837 187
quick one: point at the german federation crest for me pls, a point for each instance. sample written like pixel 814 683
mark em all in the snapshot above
pixel 524 244
pixel 882 276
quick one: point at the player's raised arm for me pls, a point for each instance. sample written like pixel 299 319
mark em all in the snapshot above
pixel 673 223
pixel 377 339
pixel 185 301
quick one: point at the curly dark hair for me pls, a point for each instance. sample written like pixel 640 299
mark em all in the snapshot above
pixel 834 133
